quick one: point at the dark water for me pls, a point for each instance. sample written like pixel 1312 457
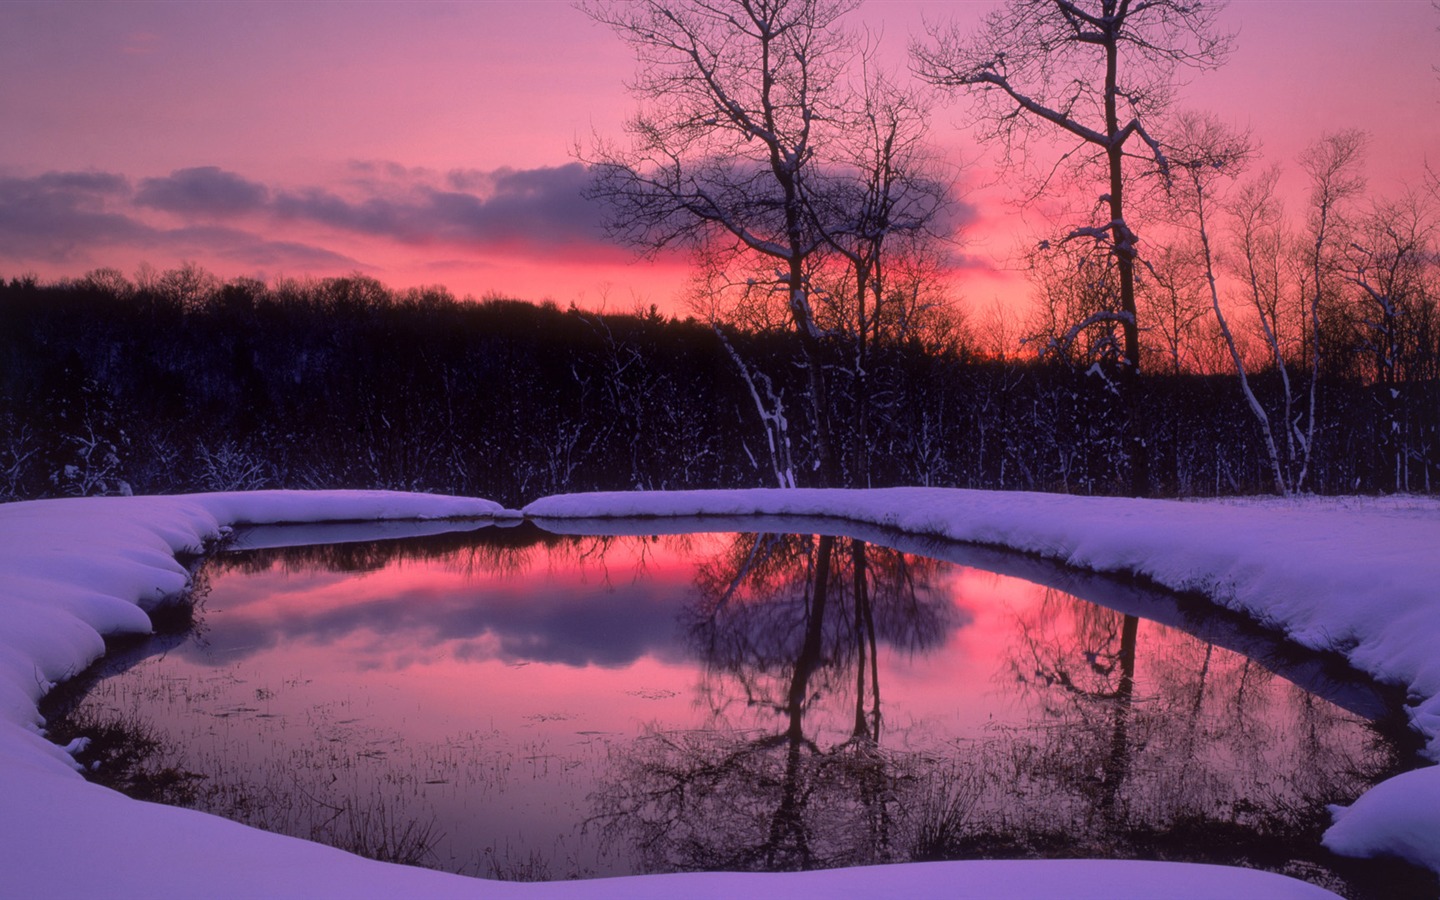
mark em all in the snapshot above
pixel 516 704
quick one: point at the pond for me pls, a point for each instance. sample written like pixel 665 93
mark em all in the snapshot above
pixel 522 704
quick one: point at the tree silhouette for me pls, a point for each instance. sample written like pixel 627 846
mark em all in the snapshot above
pixel 1099 73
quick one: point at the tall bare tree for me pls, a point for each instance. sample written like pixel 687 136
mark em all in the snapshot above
pixel 1333 166
pixel 1260 242
pixel 881 202
pixel 1096 73
pixel 1206 155
pixel 740 103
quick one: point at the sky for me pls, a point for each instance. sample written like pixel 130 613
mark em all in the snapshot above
pixel 428 143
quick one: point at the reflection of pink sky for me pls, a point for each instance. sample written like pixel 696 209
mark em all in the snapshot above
pixel 277 594
pixel 291 96
pixel 286 685
pixel 404 646
pixel 960 681
pixel 412 649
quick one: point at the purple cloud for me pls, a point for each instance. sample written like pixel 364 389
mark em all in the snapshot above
pixel 540 208
pixel 66 217
pixel 251 249
pixel 54 216
pixel 203 190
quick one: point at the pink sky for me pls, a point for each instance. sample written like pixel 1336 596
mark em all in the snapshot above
pixel 433 143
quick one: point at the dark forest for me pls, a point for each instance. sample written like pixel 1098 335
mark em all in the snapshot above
pixel 188 384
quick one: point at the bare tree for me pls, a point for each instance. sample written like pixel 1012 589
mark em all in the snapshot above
pixel 1387 261
pixel 188 285
pixel 1098 73
pixel 1172 300
pixel 1204 155
pixel 1260 243
pixel 888 188
pixel 1072 321
pixel 19 447
pixel 107 280
pixel 1333 166
pixel 740 102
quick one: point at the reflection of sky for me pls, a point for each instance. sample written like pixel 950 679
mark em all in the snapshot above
pixel 451 629
pixel 573 605
pixel 502 698
pixel 558 618
pixel 574 610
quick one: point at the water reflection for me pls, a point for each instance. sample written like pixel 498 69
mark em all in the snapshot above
pixel 1132 740
pixel 782 621
pixel 788 772
pixel 424 593
pixel 553 706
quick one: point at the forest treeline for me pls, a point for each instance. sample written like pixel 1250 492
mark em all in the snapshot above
pixel 185 383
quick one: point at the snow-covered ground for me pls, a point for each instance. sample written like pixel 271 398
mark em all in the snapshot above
pixel 1358 575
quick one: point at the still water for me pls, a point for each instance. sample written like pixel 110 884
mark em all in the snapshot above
pixel 513 703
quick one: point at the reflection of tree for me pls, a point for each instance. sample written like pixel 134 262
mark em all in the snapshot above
pixel 1093 672
pixel 1193 740
pixel 1140 742
pixel 510 551
pixel 788 619
pixel 785 626
pixel 864 640
pixel 487 550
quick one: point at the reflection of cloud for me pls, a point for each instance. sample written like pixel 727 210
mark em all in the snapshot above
pixel 566 623
pixel 612 629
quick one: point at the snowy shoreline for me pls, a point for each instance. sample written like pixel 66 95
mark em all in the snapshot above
pixel 1358 575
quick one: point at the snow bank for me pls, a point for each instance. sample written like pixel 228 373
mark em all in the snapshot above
pixel 277 507
pixel 1397 817
pixel 71 571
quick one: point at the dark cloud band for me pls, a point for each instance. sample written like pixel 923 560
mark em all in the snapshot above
pixel 204 190
pixel 535 209
pixel 57 217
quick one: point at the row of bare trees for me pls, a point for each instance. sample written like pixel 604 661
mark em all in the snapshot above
pixel 770 142
pixel 1352 293
pixel 344 383
pixel 804 179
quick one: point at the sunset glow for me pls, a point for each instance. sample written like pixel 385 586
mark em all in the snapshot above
pixel 436 143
